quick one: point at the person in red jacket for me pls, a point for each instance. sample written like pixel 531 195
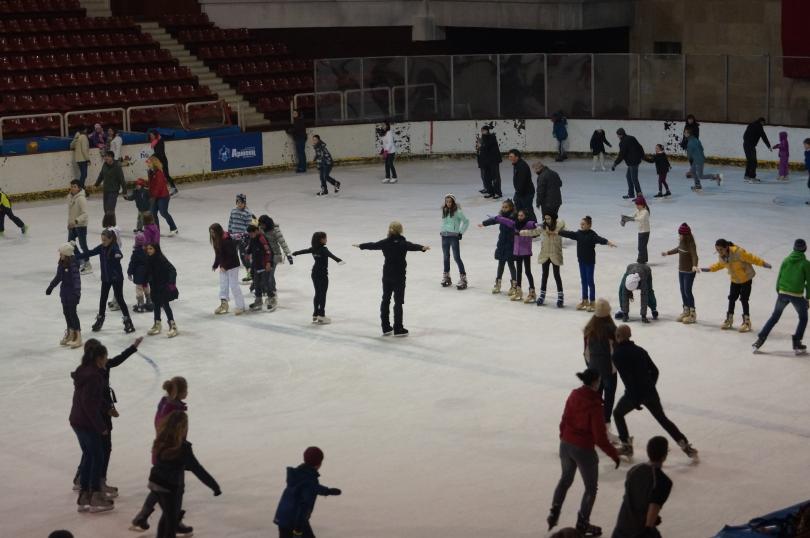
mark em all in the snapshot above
pixel 581 429
pixel 159 193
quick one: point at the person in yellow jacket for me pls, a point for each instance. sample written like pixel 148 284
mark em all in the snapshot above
pixel 739 263
pixel 5 211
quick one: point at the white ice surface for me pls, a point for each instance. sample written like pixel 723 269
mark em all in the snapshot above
pixel 451 432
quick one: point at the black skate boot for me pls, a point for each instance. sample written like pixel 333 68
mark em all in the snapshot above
pixel 560 302
pixel 182 529
pixel 553 517
pixel 655 314
pixel 128 326
pixel 148 305
pixel 758 344
pixel 626 449
pixel 541 299
pixel 586 529
pixel 256 305
pixel 141 521
pixel 99 323
pixel 400 332
pixel 798 347
pixel 446 280
pixel 138 308
pixel 688 449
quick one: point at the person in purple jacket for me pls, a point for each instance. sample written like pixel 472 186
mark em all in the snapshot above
pixel 151 232
pixel 522 252
pixel 69 279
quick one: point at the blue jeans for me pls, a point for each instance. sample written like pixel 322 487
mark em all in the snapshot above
pixel 80 233
pixel 686 279
pixel 161 205
pixel 452 242
pixel 90 468
pixel 586 271
pixel 782 300
pixel 632 180
pixel 301 155
pixel 82 171
pixel 324 171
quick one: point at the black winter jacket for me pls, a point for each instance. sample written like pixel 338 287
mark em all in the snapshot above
pixel 630 151
pixel 637 370
pixel 488 151
pixel 137 266
pixel 161 275
pixel 661 161
pixel 548 189
pixel 110 260
pixel 394 249
pixel 598 142
pixel 522 178
pixel 298 500
pixel 170 473
pixel 753 133
pixel 586 244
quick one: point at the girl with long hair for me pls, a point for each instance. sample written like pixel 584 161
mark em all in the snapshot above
pixel 599 337
pixel 551 254
pixel 642 218
pixel 454 224
pixel 112 276
pixel 687 269
pixel 226 259
pixel 69 280
pixel 521 252
pixel 320 275
pixel 162 278
pixel 159 193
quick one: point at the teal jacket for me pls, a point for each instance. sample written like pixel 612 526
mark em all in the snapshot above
pixel 455 225
pixel 694 150
pixel 794 275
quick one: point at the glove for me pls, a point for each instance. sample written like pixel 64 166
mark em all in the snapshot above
pixel 704 270
pixel 341 262
pixel 617 461
pixel 334 491
pixel 767 266
pixel 290 259
pixel 49 290
pixel 217 493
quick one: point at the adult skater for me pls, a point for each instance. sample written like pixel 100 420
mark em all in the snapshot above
pixel 162 278
pixel 522 181
pixel 159 152
pixel 631 152
pixel 77 220
pixel 504 246
pixel 599 338
pixel 581 428
pixel 112 178
pixel 693 125
pixel 69 281
pixel 323 162
pixel 226 259
pixel 489 161
pixel 298 499
pixel 792 287
pixel 159 193
pixel 298 132
pixel 394 248
pixel 549 186
pixel 697 159
pixel 81 153
pixel 5 211
pixel 586 239
pixel 642 218
pixel 640 375
pixel 272 232
pixel 637 276
pixel 389 151
pixel 454 224
pixel 687 269
pixel 559 130
pixel 598 143
pixel 551 254
pixel 739 264
pixel 751 137
pixel 320 274
pixel 646 489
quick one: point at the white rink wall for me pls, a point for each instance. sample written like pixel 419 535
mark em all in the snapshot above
pixel 45 172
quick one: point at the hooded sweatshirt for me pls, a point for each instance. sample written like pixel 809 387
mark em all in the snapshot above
pixel 739 263
pixel 794 275
pixel 77 209
pixel 88 399
pixel 298 500
pixel 70 281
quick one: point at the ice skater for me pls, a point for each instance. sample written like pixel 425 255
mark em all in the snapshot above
pixel 687 270
pixel 586 239
pixel 238 221
pixel 77 220
pixel 637 276
pixel 599 339
pixel 394 248
pixel 261 261
pixel 549 186
pixel 560 132
pixel 739 264
pixel 807 163
pixel 320 275
pixel 521 253
pixel 159 193
pixel 272 232
pixel 662 168
pixel 454 224
pixel 112 178
pixel 140 195
pixel 784 156
pixel 551 254
pixel 159 152
pixel 642 218
pixel 504 246
pixel 581 429
pixel 697 159
pixel 489 161
pixel 298 499
pixel 323 162
pixel 69 280
pixel 136 272
pixel 522 181
pixel 598 143
pixel 389 152
pixel 640 375
pixel 151 233
pixel 692 125
pixel 5 211
pixel 162 278
pixel 226 259
pixel 631 152
pixel 792 287
pixel 754 132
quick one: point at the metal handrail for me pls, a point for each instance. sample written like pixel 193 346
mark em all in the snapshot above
pixel 94 111
pixel 24 116
pixel 408 86
pixel 361 91
pixel 225 118
pixel 294 102
pixel 147 107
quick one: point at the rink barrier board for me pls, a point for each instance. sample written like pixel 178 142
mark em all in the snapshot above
pixel 39 176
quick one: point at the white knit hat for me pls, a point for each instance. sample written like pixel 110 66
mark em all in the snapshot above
pixel 632 281
pixel 67 249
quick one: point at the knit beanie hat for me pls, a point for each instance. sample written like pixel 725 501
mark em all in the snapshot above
pixel 800 245
pixel 684 229
pixel 450 195
pixel 313 456
pixel 639 200
pixel 602 308
pixel 241 198
pixel 140 239
pixel 67 249
pixel 631 282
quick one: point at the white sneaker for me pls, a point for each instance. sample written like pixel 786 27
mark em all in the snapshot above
pixel 174 232
pixel 386 181
pixel 392 180
pixel 323 320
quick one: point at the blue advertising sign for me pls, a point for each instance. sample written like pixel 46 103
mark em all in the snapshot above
pixel 237 151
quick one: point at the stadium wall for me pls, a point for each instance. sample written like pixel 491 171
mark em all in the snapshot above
pixel 41 175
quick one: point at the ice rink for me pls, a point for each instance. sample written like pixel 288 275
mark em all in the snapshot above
pixel 452 432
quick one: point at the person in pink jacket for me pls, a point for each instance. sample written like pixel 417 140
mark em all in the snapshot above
pixel 522 252
pixel 784 156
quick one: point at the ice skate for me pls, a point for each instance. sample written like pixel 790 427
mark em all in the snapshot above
pixel 688 449
pixel 323 192
pixel 446 280
pixel 553 517
pixel 798 347
pixel 174 232
pixel 387 331
pixel 128 326
pixel 746 325
pixel 719 179
pixel 148 306
pixel 541 299
pixel 337 187
pixel 644 319
pixel 586 530
pixel 626 449
pixel 109 491
pixel 393 180
pixel 139 308
pixel 388 180
pixel 139 524
pixel 66 338
pixel 462 283
pixel 256 304
pixel 512 288
pixel 222 308
pixel 729 323
pixel 77 340
pixel 99 323
pixel 518 295
pixel 172 329
pixel 612 437
pixel 86 268
pixel 323 320
pixel 238 311
pixel 497 287
pixel 668 193
pixel 591 306
pixel 156 328
pixel 691 318
pixel 582 305
pixel 401 332
pixel 83 502
pixel 758 344
pixel 697 190
pixel 99 503
pixel 531 297
pixel 183 530
pixel 659 195
pixel 683 315
pixel 560 301
pixel 314 318
pixel 272 303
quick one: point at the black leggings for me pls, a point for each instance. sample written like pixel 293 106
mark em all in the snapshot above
pixel 508 263
pixel 71 317
pixel 557 279
pixel 625 405
pixel 170 503
pixel 524 261
pixel 118 292
pixel 7 212
pixel 321 284
pixel 741 292
pixel 165 306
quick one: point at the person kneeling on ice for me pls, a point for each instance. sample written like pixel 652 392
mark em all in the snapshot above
pixel 739 263
pixel 298 499
pixel 394 248
pixel 793 280
pixel 69 280
pixel 637 276
pixel 639 375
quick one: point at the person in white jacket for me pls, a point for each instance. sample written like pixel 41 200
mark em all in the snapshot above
pixel 642 218
pixel 115 143
pixel 389 152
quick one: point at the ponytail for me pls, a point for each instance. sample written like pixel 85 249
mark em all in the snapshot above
pixel 175 386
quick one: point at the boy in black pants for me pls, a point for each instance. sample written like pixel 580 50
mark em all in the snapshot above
pixel 140 195
pixel 260 263
pixel 5 211
pixel 395 248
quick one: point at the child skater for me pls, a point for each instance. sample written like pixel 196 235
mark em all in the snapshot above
pixel 108 221
pixel 278 245
pixel 586 240
pixel 807 163
pixel 261 260
pixel 162 278
pixel 323 162
pixel 5 211
pixel 136 271
pixel 522 253
pixel 140 195
pixel 598 143
pixel 454 224
pixel 551 254
pixel 238 222
pixel 642 218
pixel 687 269
pixel 320 275
pixel 69 280
pixel 151 232
pixel 739 263
pixel 226 259
pixel 112 276
pixel 298 500
pixel 784 156
pixel 504 246
pixel 394 248
pixel 662 168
